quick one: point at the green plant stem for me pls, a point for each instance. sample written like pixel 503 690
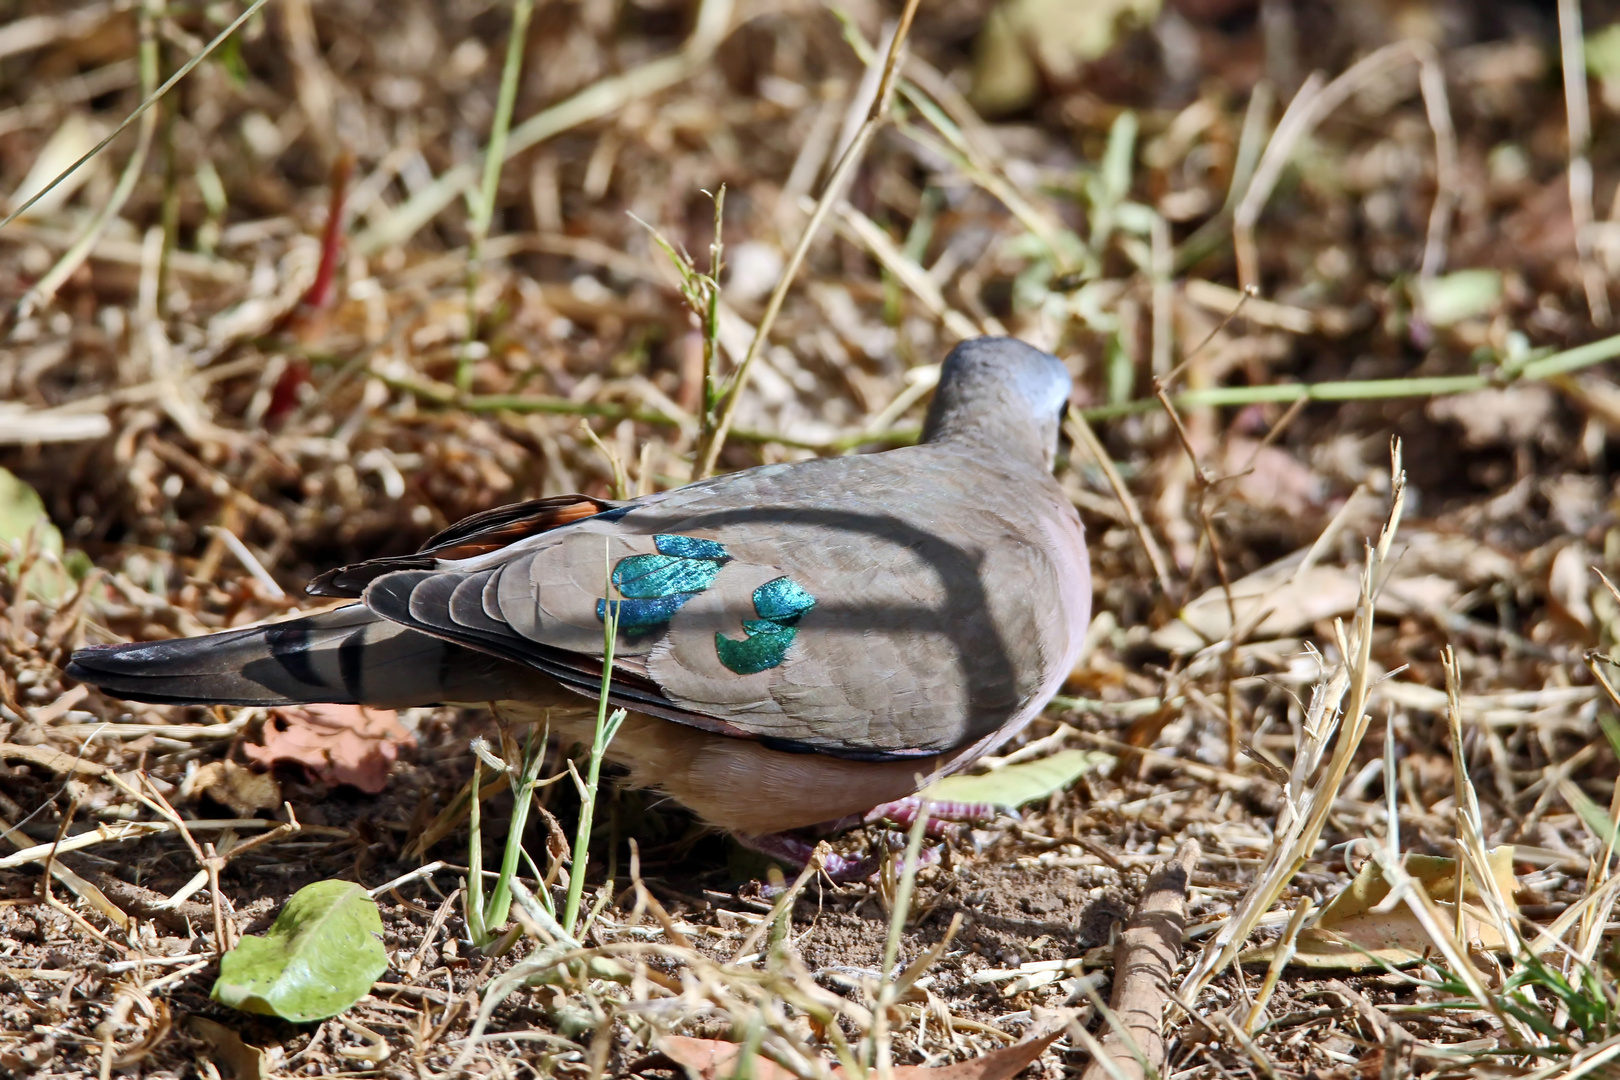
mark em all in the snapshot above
pixel 1559 363
pixel 1546 367
pixel 708 453
pixel 606 727
pixel 438 394
pixel 500 898
pixel 484 212
pixel 711 324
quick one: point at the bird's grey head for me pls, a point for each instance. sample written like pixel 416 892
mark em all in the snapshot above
pixel 1003 393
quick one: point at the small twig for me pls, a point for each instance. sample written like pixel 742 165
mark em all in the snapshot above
pixel 249 561
pixel 1315 100
pixel 1572 52
pixel 1145 959
pixel 204 854
pixel 1279 960
pixel 212 862
pixel 1080 432
pixel 1205 485
pixel 709 452
pixel 41 293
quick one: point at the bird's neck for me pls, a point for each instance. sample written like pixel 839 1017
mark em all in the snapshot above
pixel 993 439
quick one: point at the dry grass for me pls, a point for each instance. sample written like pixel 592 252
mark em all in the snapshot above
pixel 215 400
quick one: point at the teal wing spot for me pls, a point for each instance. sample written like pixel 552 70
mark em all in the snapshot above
pixel 760 650
pixel 779 603
pixel 639 616
pixel 781 599
pixel 691 547
pixel 655 586
pixel 647 577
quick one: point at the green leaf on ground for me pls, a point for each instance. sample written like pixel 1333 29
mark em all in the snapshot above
pixel 22 511
pixel 1464 294
pixel 1024 782
pixel 24 525
pixel 322 955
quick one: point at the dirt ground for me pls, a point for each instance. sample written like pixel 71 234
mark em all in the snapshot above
pixel 230 388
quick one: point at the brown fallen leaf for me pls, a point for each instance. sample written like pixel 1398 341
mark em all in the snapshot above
pixel 713 1059
pixel 339 744
pixel 1351 935
pixel 1280 600
pixel 243 1060
pixel 244 790
pixel 1569 585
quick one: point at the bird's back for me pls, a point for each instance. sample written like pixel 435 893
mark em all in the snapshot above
pixel 871 607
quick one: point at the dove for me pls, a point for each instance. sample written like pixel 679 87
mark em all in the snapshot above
pixel 796 644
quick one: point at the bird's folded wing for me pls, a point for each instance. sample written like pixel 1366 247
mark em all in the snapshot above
pixel 865 609
pixel 849 643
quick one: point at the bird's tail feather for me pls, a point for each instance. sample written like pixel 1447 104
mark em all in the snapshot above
pixel 348 655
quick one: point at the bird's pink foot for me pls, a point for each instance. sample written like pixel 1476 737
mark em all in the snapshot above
pixel 941 815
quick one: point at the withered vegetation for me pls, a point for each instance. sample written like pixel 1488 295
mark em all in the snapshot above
pixel 274 327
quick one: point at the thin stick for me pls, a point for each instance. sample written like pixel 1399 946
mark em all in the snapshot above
pixel 1081 432
pixel 1145 958
pixel 1205 485
pixel 1437 105
pixel 710 451
pixel 1279 961
pixel 40 295
pixel 1310 106
pixel 1577 110
pixel 140 110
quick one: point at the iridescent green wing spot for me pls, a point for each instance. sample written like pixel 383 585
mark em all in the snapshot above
pixel 779 603
pixel 641 616
pixel 655 586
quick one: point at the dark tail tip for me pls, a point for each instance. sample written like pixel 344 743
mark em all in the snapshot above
pixel 183 671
